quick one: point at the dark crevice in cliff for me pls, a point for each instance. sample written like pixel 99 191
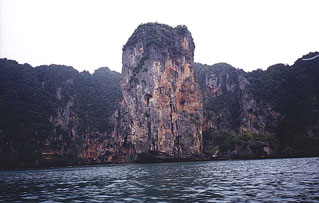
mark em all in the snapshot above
pixel 171 117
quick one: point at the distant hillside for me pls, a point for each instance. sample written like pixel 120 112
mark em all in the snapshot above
pixel 54 114
pixel 261 113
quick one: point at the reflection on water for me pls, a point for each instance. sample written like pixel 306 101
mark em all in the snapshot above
pixel 272 180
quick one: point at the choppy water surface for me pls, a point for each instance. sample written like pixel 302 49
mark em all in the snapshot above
pixel 272 180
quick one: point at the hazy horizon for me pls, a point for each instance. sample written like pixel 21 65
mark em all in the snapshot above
pixel 88 35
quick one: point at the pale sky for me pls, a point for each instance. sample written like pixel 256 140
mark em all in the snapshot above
pixel 90 34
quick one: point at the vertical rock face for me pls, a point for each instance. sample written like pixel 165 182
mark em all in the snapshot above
pixel 229 102
pixel 162 101
pixel 233 114
pixel 54 115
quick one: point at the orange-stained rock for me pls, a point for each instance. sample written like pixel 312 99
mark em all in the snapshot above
pixel 161 98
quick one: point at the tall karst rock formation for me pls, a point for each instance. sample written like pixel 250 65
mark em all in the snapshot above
pixel 162 103
pixel 154 111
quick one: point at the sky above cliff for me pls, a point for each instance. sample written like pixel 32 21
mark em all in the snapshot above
pixel 90 34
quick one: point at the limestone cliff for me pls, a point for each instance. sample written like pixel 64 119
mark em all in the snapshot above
pixel 229 102
pixel 161 98
pixel 260 113
pixel 154 111
pixel 232 112
pixel 54 115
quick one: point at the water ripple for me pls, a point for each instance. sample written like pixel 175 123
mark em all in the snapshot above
pixel 273 180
